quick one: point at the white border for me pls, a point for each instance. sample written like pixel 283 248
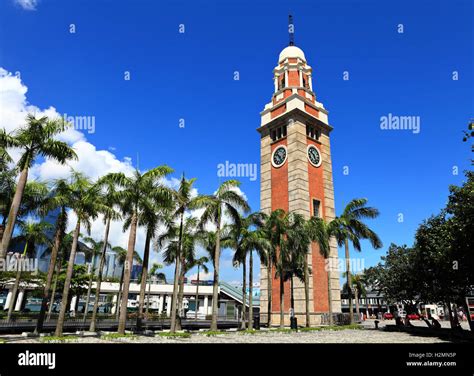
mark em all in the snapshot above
pixel 319 152
pixel 286 155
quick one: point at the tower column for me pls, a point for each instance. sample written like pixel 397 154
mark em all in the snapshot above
pixel 298 193
pixel 8 300
pixel 168 305
pixel 160 304
pixel 19 300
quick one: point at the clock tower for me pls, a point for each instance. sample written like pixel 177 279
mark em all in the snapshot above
pixel 296 176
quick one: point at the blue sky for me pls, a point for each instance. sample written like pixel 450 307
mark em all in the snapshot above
pixel 190 76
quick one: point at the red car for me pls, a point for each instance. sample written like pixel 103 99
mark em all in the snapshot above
pixel 413 316
pixel 387 316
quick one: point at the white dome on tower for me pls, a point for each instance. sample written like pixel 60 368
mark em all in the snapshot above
pixel 291 52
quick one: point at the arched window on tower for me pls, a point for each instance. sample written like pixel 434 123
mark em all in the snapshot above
pixel 305 82
pixel 278 133
pixel 281 83
pixel 312 132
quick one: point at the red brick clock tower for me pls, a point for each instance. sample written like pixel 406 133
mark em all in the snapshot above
pixel 296 175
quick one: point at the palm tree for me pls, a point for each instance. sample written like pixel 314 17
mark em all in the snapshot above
pixel 33 234
pixel 359 284
pixel 349 227
pixel 245 237
pixel 120 257
pixel 184 201
pixel 153 273
pixel 320 232
pixel 201 264
pixel 298 242
pixel 187 258
pixel 178 245
pixel 137 191
pixel 109 198
pixel 87 204
pixel 58 200
pixel 225 200
pixel 37 138
pixel 7 179
pixel 5 142
pixel 276 229
pixel 151 216
pixel 96 248
pixel 208 240
pixel 7 191
pixel 34 196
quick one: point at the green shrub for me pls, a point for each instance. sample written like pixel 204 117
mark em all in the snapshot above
pixel 175 335
pixel 118 336
pixel 248 331
pixel 56 339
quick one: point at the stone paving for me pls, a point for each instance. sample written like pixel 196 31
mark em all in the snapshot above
pixel 365 335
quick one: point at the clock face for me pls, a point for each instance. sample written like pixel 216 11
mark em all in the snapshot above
pixel 279 156
pixel 314 156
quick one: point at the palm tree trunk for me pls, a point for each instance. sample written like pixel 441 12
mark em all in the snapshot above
pixel 141 300
pixel 215 285
pixel 197 295
pixel 349 281
pixel 366 304
pixel 282 302
pixel 67 281
pixel 53 291
pixel 356 298
pixel 113 267
pixel 180 309
pixel 15 287
pixel 269 291
pixel 244 292
pixel 99 278
pixel 176 277
pixel 128 266
pixel 89 288
pixel 250 291
pixel 119 295
pixel 306 290
pixel 49 278
pixel 148 299
pixel 12 215
pixel 468 316
pixel 292 297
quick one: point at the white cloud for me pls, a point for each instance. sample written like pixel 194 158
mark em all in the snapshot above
pixel 27 4
pixel 92 162
pixel 202 276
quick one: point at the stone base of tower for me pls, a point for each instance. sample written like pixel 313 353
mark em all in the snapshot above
pixel 315 319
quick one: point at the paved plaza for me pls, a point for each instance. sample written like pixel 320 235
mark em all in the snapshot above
pixel 368 334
